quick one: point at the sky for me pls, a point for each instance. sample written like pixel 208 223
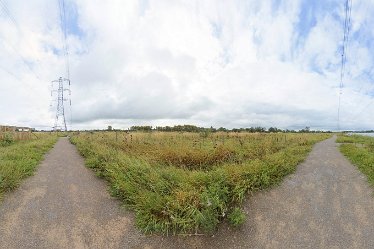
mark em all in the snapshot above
pixel 237 63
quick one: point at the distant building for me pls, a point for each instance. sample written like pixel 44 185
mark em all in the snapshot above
pixel 7 128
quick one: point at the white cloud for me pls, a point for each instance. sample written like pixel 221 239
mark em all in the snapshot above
pixel 221 63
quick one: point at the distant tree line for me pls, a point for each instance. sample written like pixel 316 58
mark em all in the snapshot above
pixel 367 131
pixel 194 128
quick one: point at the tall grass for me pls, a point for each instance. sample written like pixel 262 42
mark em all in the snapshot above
pixel 183 183
pixel 360 151
pixel 18 159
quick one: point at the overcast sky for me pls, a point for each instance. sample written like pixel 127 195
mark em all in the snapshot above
pixel 236 63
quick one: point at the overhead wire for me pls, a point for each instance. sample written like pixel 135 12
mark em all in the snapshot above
pixel 64 36
pixel 346 31
pixel 372 100
pixel 8 13
pixel 24 61
pixel 363 109
pixel 12 20
pixel 65 47
pixel 10 73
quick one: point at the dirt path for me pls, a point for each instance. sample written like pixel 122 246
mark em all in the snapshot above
pixel 63 206
pixel 327 203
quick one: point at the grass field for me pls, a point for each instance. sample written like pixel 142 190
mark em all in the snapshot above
pixel 18 159
pixel 360 151
pixel 189 182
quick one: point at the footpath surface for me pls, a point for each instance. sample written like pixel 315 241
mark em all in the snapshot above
pixel 326 203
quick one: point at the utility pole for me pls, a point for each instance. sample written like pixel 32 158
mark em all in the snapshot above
pixel 62 85
pixel 60 89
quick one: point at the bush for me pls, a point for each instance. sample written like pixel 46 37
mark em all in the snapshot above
pixel 7 140
pixel 183 183
pixel 236 217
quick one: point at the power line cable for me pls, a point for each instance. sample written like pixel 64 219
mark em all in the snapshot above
pixel 64 36
pixel 65 48
pixel 362 110
pixel 371 101
pixel 8 13
pixel 24 61
pixel 346 31
pixel 67 61
pixel 14 22
pixel 10 73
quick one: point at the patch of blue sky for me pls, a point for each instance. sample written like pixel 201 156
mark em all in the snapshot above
pixel 226 56
pixel 364 39
pixel 51 48
pixel 333 67
pixel 216 29
pixel 324 68
pixel 72 20
pixel 311 12
pixel 275 4
pixel 366 75
pixel 55 50
pixel 143 6
pixel 307 18
pixel 363 36
pixel 315 67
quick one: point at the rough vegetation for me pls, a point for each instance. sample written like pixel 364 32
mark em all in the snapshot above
pixel 189 182
pixel 18 159
pixel 360 151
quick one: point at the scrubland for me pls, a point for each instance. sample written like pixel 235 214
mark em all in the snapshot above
pixel 190 182
pixel 360 151
pixel 19 159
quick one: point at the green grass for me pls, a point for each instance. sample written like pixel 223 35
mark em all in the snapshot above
pixel 19 159
pixel 189 182
pixel 360 151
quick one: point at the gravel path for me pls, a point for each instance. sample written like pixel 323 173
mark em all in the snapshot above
pixel 327 203
pixel 64 205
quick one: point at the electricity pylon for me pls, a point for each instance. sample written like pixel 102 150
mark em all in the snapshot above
pixel 60 120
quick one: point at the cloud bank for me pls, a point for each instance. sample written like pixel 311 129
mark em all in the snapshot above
pixel 221 63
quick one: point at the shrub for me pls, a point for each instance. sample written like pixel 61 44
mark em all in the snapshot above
pixel 7 139
pixel 236 217
pixel 183 183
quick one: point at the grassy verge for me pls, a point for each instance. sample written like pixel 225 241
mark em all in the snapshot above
pixel 183 183
pixel 18 159
pixel 360 151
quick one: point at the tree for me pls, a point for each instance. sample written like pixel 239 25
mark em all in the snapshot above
pixel 305 130
pixel 141 128
pixel 222 129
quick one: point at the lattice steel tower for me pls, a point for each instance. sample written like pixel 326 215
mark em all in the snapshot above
pixel 60 120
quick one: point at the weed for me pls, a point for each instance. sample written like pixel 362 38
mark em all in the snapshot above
pixel 360 151
pixel 236 217
pixel 189 182
pixel 7 139
pixel 19 159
